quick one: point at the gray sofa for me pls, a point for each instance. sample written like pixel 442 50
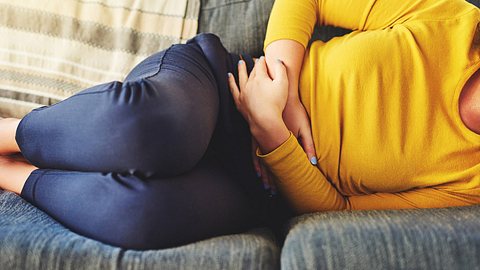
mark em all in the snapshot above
pixel 406 239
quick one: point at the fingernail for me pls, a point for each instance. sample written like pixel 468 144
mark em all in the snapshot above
pixel 240 62
pixel 229 74
pixel 261 57
pixel 256 60
pixel 313 160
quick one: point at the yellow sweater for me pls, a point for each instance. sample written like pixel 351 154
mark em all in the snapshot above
pixel 383 104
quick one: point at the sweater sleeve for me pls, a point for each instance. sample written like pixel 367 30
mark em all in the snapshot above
pixel 292 19
pixel 308 190
pixel 303 185
pixel 295 19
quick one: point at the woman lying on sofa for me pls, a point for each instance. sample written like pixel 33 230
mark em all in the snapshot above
pixel 385 117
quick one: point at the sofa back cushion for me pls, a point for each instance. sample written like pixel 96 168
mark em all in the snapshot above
pixel 51 49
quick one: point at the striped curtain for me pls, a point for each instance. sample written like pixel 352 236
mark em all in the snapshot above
pixel 51 49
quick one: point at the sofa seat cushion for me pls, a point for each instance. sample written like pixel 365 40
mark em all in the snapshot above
pixel 447 238
pixel 30 239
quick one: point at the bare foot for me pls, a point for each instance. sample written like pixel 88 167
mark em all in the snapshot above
pixel 14 173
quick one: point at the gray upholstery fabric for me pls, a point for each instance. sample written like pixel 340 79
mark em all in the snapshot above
pixel 240 24
pixel 29 239
pixel 446 238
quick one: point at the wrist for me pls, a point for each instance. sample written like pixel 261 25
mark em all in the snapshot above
pixel 270 134
pixel 293 96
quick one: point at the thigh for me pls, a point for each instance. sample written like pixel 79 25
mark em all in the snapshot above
pixel 158 121
pixel 127 211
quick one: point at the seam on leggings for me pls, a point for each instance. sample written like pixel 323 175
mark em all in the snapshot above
pixel 159 64
pixel 159 68
pixel 98 92
pixel 83 94
pixel 182 73
pixel 142 79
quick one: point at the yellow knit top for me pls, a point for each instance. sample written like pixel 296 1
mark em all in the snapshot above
pixel 383 104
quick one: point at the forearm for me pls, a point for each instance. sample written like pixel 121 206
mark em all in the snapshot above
pixel 269 133
pixel 291 53
pixel 289 29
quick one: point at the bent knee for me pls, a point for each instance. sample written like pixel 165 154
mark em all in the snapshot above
pixel 171 136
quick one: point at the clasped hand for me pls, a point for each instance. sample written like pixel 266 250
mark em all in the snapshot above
pixel 261 100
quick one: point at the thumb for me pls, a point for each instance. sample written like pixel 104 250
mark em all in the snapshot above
pixel 307 143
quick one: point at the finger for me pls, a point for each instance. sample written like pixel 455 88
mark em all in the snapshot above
pixel 233 88
pixel 261 67
pixel 242 74
pixel 280 71
pixel 308 145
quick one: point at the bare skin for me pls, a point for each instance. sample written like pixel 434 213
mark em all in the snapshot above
pixel 13 167
pixel 469 103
